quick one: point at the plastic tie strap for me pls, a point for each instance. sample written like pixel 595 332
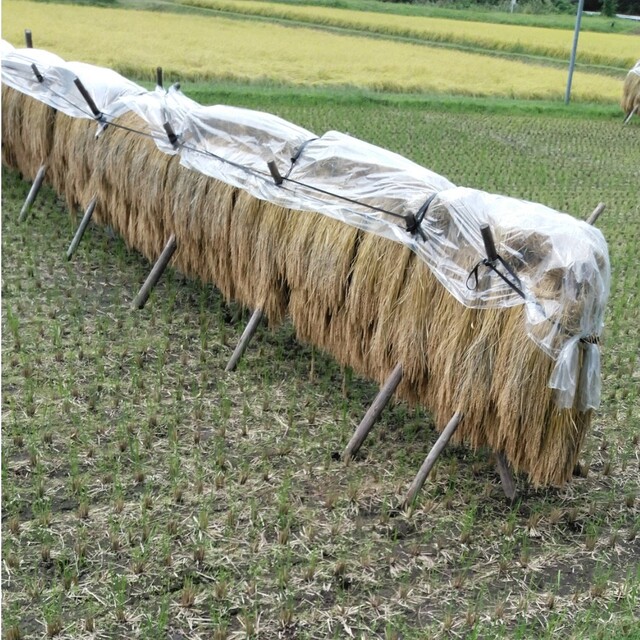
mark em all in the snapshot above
pixel 490 261
pixel 414 222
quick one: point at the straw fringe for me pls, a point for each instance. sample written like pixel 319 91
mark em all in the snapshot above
pixel 368 301
pixel 28 146
pixel 631 94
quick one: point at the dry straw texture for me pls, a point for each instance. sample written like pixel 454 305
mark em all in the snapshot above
pixel 631 93
pixel 368 301
pixel 27 132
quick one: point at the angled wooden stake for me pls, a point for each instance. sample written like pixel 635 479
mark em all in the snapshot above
pixel 506 476
pixel 156 272
pixel 33 192
pixel 596 213
pixel 383 397
pixel 431 458
pixel 634 110
pixel 247 334
pixel 82 227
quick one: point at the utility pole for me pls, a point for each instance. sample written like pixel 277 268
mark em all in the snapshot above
pixel 574 49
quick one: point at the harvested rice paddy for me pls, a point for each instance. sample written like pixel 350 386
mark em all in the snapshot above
pixel 214 48
pixel 147 493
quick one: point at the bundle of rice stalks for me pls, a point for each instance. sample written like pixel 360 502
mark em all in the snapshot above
pixel 391 309
pixel 631 91
pixel 27 131
pixel 72 159
pixel 129 179
pixel 369 301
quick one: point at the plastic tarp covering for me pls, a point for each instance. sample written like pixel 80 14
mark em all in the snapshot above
pixel 58 89
pixel 159 108
pixel 555 265
pixel 635 69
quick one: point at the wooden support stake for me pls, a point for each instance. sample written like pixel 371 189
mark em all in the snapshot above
pixel 33 192
pixel 596 213
pixel 374 412
pixel 431 458
pixel 626 120
pixel 506 476
pixel 247 334
pixel 84 223
pixel 156 272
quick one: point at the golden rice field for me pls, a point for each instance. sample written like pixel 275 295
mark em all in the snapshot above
pixel 597 48
pixel 201 48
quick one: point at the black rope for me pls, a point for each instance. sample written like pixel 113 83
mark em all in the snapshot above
pixel 514 283
pixel 299 151
pixel 414 222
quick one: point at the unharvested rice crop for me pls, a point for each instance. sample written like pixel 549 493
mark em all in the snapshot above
pixel 595 48
pixel 327 278
pixel 193 47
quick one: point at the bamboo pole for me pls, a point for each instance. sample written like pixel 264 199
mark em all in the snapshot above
pixel 156 272
pixel 33 192
pixel 628 118
pixel 383 397
pixel 247 334
pixel 506 476
pixel 86 218
pixel 596 213
pixel 431 458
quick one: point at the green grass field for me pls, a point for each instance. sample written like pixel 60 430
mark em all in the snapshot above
pixel 148 494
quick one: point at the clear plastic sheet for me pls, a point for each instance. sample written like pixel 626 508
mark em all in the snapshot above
pixel 635 69
pixel 162 107
pixel 58 90
pixel 555 265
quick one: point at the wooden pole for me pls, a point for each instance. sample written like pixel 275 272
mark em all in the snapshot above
pixel 33 192
pixel 628 118
pixel 596 213
pixel 431 458
pixel 82 227
pixel 156 272
pixel 247 334
pixel 374 412
pixel 506 476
